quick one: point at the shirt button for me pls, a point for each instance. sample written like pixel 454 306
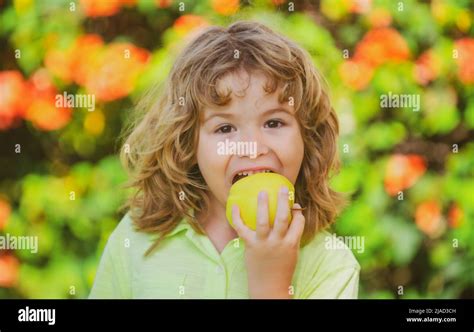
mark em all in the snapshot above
pixel 219 269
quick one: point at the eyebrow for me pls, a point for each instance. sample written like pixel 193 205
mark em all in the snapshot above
pixel 231 115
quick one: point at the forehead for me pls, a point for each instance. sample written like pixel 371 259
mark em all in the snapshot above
pixel 239 82
pixel 249 93
pixel 249 87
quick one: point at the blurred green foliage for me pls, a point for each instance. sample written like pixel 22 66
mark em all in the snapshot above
pixel 409 174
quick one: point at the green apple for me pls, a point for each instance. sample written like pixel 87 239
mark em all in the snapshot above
pixel 244 194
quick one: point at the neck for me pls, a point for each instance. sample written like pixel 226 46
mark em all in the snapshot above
pixel 215 216
pixel 216 225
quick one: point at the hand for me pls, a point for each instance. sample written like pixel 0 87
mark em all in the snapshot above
pixel 271 253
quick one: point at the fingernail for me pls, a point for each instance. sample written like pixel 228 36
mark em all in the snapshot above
pixel 284 190
pixel 261 195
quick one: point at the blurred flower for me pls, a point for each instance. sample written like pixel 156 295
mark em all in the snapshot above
pixel 450 12
pixel 440 11
pixel 45 116
pixel 59 63
pixel 114 73
pixel 359 6
pixel 42 82
pixel 402 172
pixel 278 2
pixel 9 270
pixel 42 111
pixel 379 18
pixel 86 53
pixel 378 46
pixel 74 63
pixel 465 60
pixel 14 97
pixel 5 211
pixel 93 8
pixel 356 74
pixel 428 218
pixel 94 122
pixel 382 45
pixel 186 23
pixel 455 216
pixel 107 71
pixel 225 7
pixel 463 20
pixel 163 3
pixel 33 100
pixel 427 67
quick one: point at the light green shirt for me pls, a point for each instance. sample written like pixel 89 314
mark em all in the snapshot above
pixel 186 265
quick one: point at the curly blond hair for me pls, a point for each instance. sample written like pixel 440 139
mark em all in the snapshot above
pixel 161 145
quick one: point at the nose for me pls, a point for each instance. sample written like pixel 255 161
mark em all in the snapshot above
pixel 255 142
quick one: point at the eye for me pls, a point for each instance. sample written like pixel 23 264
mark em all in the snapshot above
pixel 274 123
pixel 225 129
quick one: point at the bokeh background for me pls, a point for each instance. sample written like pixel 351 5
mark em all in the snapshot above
pixel 409 174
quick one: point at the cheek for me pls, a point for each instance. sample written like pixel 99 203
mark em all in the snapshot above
pixel 292 153
pixel 299 147
pixel 210 163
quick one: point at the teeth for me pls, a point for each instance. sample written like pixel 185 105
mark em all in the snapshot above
pixel 263 171
pixel 247 173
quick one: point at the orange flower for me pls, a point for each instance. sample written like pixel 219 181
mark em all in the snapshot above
pixel 465 60
pixel 225 7
pixel 378 46
pixel 86 52
pixel 46 116
pixel 9 270
pixel 13 97
pixel 59 63
pixel 402 172
pixel 5 211
pixel 74 63
pixel 379 18
pixel 427 67
pixel 42 111
pixel 455 216
pixel 186 23
pixel 382 45
pixel 93 8
pixel 356 74
pixel 428 218
pixel 42 83
pixel 163 3
pixel 114 74
pixel 108 71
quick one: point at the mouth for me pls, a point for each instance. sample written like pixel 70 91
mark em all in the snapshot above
pixel 244 174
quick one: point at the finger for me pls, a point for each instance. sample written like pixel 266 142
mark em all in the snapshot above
pixel 263 225
pixel 295 231
pixel 280 226
pixel 242 230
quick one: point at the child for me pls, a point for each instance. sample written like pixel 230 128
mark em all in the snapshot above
pixel 244 83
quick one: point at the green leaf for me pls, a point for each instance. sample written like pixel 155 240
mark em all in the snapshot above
pixel 404 238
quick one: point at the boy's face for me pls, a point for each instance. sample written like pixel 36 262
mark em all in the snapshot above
pixel 252 131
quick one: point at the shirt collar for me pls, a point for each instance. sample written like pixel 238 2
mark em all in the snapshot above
pixel 182 225
pixel 203 243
